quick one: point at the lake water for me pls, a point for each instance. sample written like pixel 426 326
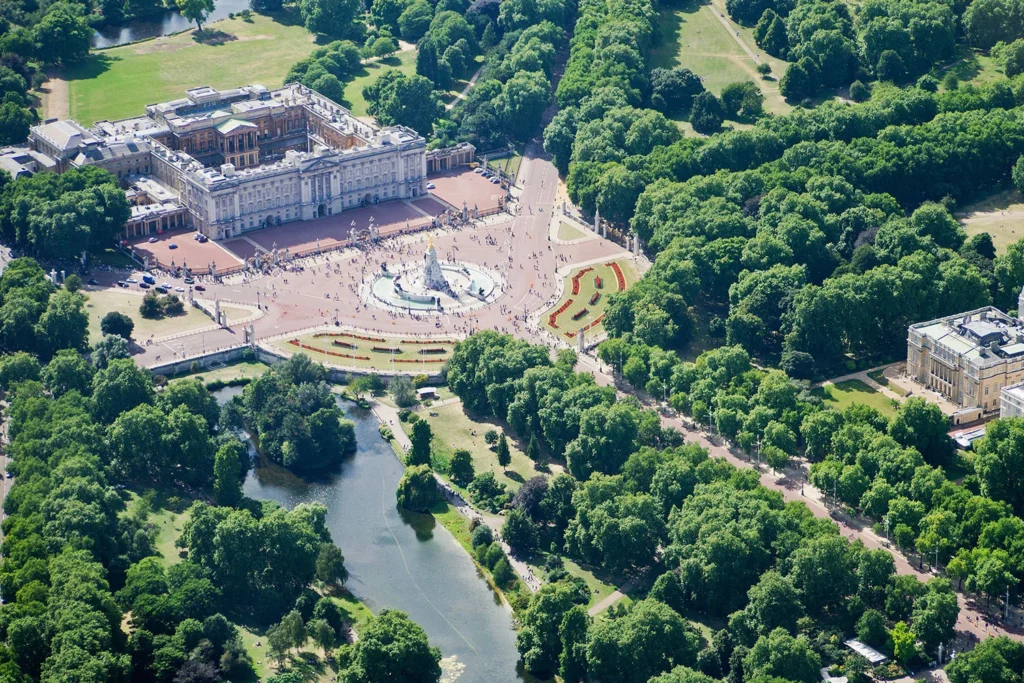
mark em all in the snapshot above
pixel 401 560
pixel 164 24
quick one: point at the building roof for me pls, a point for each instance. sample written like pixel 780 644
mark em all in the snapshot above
pixel 983 336
pixel 65 135
pixel 866 651
pixel 232 125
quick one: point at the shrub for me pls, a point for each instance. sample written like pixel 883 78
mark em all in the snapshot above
pixel 859 92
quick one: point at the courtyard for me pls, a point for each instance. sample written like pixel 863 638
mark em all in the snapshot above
pixel 181 248
pixel 464 187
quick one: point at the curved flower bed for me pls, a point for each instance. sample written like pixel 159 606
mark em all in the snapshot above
pixel 553 318
pixel 338 354
pixel 580 313
pixel 593 323
pixel 576 279
pixel 350 335
pixel 619 277
pixel 594 299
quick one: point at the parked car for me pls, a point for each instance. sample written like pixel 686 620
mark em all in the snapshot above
pixel 149 278
pixel 152 240
pixel 495 181
pixel 166 285
pixel 179 289
pixel 200 288
pixel 122 283
pixel 203 239
pixel 143 285
pixel 478 169
pixel 172 245
pixel 131 281
pixel 430 186
pixel 162 290
pixel 189 281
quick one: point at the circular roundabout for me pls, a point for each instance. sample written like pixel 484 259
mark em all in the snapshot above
pixel 431 286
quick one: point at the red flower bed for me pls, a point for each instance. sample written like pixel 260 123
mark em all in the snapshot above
pixel 553 318
pixel 419 360
pixel 598 282
pixel 580 313
pixel 593 323
pixel 296 342
pixel 349 335
pixel 576 280
pixel 424 341
pixel 619 277
pixel 593 299
pixel 342 344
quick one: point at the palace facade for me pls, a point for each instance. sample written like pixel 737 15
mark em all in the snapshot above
pixel 226 162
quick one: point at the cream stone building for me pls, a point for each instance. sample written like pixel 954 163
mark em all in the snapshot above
pixel 226 162
pixel 969 359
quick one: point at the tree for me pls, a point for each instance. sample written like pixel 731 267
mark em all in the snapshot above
pixel 871 628
pixel 401 389
pixel 67 371
pixel 648 640
pixel 227 472
pixel 502 572
pixel 414 21
pixel 891 67
pixel 418 489
pixel 538 641
pixel 385 13
pixel 742 98
pixel 530 497
pixel 329 17
pixel 108 349
pixel 800 81
pixel 391 648
pixel 322 633
pixel 64 324
pixel 519 532
pixel 503 452
pixel 120 387
pixel 195 10
pixel 63 36
pixel 461 467
pixel 859 92
pixel 572 663
pixel 993 660
pixel 903 646
pixel 770 34
pixel 18 367
pixel 1018 174
pixel 330 565
pixel 398 99
pixel 522 103
pixel 117 323
pixel 419 453
pixel 780 654
pixel 707 115
pixel 673 90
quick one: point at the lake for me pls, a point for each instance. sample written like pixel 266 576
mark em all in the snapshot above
pixel 163 24
pixel 400 559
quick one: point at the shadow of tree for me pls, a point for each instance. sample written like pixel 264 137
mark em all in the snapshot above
pixel 213 37
pixel 91 67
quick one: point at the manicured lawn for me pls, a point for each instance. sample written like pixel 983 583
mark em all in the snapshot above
pixel 228 372
pixel 569 232
pixel 844 394
pixel 509 164
pixel 354 100
pixel 363 355
pixel 564 323
pixel 169 525
pixel 1004 229
pixel 599 590
pixel 453 429
pixel 118 83
pixel 695 39
pixel 103 301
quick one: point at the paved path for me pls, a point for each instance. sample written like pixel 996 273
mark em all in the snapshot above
pixel 609 600
pixel 389 416
pixel 462 95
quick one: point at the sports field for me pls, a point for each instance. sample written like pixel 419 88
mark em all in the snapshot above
pixel 583 305
pixel 365 350
pixel 119 82
pixel 696 39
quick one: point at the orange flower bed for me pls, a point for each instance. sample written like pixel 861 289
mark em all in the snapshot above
pixel 553 318
pixel 307 347
pixel 349 335
pixel 594 299
pixel 619 277
pixel 576 279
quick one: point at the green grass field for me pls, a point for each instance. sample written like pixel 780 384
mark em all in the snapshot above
pixel 99 302
pixel 454 429
pixel 509 164
pixel 565 322
pixel 227 373
pixel 118 83
pixel 879 376
pixel 695 39
pixel 354 100
pixel 844 394
pixel 377 360
pixel 1000 214
pixel 569 232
